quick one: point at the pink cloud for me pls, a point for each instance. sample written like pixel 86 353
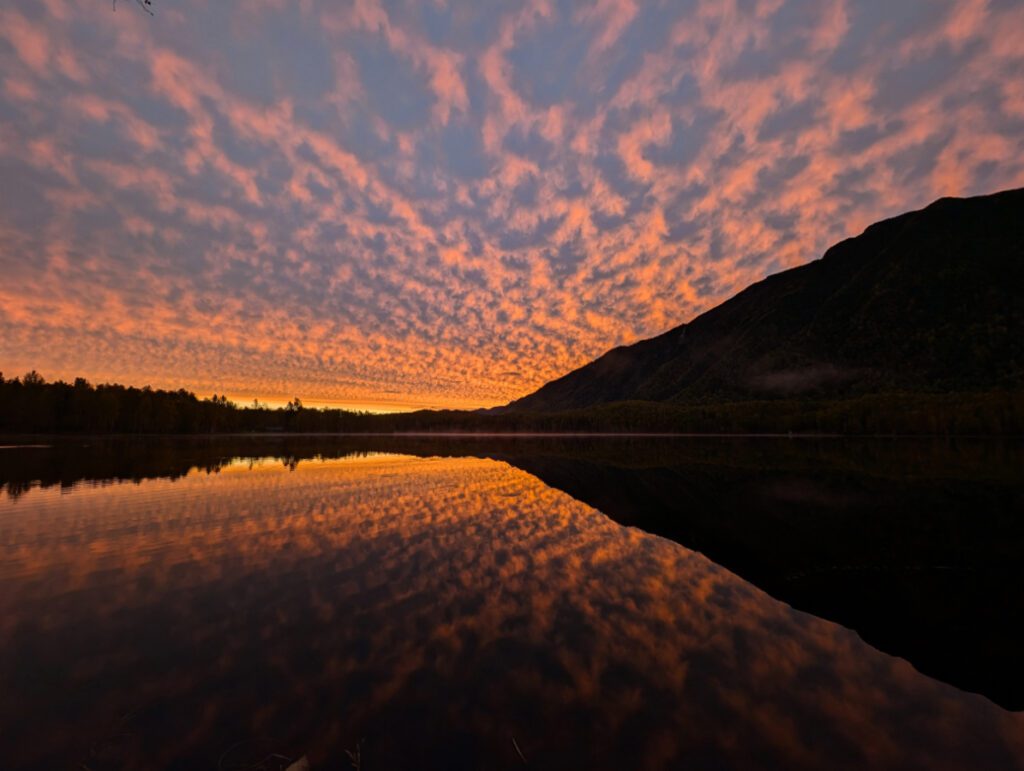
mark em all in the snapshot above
pixel 507 231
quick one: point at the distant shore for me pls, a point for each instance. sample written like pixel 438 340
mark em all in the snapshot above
pixel 30 405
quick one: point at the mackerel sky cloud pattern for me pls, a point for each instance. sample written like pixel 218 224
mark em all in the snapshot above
pixel 405 204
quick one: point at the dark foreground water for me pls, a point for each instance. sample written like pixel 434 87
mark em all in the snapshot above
pixel 478 603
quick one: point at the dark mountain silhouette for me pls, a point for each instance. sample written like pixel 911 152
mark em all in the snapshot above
pixel 913 327
pixel 928 301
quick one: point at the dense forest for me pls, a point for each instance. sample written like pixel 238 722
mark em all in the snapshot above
pixel 29 404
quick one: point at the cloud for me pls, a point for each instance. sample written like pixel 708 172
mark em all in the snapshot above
pixel 403 204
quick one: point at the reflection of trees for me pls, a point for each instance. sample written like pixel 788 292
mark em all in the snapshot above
pixel 813 522
pixel 438 608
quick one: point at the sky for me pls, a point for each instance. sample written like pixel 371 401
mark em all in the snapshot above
pixel 395 205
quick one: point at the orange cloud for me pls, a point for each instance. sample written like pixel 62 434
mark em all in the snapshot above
pixel 246 216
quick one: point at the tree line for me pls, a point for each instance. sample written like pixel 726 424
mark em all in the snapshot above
pixel 30 404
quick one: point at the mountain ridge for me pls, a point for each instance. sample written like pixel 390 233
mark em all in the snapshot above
pixel 923 301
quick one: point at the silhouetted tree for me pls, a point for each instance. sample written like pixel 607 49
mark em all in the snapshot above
pixel 31 405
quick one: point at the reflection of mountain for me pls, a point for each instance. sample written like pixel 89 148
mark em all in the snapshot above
pixel 925 568
pixel 927 301
pixel 915 545
pixel 437 609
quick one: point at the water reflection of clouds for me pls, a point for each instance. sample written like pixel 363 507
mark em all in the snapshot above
pixel 436 607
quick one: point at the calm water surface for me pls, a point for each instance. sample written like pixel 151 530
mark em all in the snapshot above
pixel 436 609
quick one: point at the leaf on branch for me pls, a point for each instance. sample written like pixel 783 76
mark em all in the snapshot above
pixel 145 5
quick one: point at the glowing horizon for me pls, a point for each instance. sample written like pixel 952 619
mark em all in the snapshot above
pixel 273 401
pixel 398 205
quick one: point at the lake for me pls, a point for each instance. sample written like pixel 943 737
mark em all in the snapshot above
pixel 496 602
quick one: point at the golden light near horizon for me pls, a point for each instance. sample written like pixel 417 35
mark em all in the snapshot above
pixel 379 407
pixel 392 206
